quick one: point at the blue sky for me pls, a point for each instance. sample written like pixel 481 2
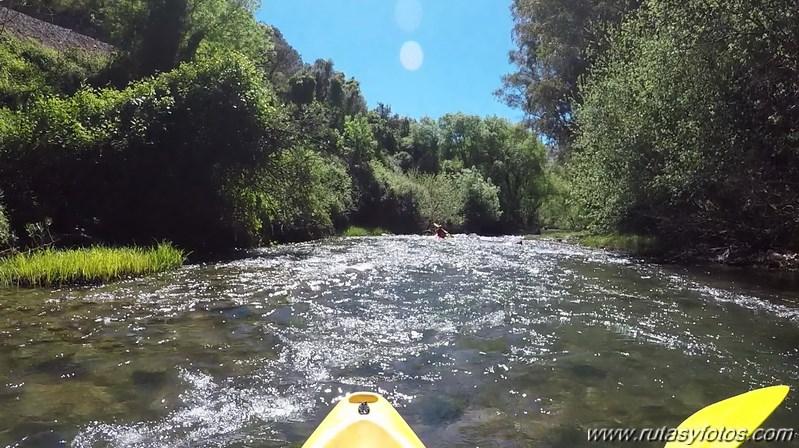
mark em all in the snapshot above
pixel 465 46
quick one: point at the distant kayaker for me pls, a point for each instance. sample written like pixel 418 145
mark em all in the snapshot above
pixel 439 231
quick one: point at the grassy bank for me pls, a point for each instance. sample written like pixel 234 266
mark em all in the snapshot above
pixel 566 235
pixel 636 244
pixel 50 267
pixel 360 231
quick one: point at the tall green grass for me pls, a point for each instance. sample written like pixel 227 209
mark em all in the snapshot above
pixel 51 267
pixel 360 231
pixel 637 244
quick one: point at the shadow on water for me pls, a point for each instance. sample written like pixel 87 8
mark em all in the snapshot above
pixel 477 341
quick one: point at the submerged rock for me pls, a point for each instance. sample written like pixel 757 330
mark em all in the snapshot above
pixel 68 400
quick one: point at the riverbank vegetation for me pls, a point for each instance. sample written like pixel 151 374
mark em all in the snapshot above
pixel 194 123
pixel 629 243
pixel 51 267
pixel 673 120
pixel 352 231
pixel 205 128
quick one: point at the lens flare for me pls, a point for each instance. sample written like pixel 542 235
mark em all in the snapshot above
pixel 408 14
pixel 411 55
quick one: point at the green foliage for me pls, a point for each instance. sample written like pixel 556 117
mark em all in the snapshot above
pixel 689 128
pixel 282 62
pixel 158 159
pixel 50 267
pixel 340 98
pixel 557 43
pixel 354 231
pixel 410 202
pixel 360 145
pixel 461 137
pixel 218 27
pixel 398 200
pixel 5 230
pixel 509 155
pixel 560 208
pixel 302 89
pixel 517 167
pixel 156 36
pixel 443 198
pixel 29 70
pixel 636 244
pixel 311 194
pixel 423 145
pixel 403 160
pixel 481 210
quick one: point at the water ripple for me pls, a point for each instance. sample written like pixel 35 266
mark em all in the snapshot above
pixel 477 340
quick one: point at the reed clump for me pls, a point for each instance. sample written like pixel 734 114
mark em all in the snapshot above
pixel 99 264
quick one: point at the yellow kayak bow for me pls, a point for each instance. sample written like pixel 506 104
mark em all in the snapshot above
pixel 362 420
pixel 367 420
pixel 743 414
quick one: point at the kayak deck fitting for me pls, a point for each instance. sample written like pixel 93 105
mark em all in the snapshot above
pixel 361 420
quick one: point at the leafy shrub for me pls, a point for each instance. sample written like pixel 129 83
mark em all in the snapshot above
pixel 481 210
pixel 29 70
pixel 313 195
pixel 5 230
pixel 354 231
pixel 443 198
pixel 559 208
pixel 688 127
pixel 398 206
pixel 161 159
pixel 403 160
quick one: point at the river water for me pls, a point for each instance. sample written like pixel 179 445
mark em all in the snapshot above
pixel 479 342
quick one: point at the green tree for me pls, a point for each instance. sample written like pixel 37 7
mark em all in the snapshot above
pixel 165 158
pixel 28 70
pixel 422 144
pixel 157 35
pixel 557 42
pixel 283 62
pixel 359 142
pixel 688 129
pixel 481 210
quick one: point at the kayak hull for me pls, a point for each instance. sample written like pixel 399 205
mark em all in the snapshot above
pixel 362 420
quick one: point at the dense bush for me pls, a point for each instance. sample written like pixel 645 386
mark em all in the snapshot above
pixel 508 154
pixel 310 200
pixel 442 199
pixel 5 230
pixel 560 208
pixel 480 209
pixel 398 201
pixel 160 159
pixel 29 70
pixel 689 128
pixel 206 128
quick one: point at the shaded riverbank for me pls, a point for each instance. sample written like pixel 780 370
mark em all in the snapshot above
pixel 661 252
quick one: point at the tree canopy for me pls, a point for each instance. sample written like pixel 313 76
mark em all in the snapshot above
pixel 206 128
pixel 682 123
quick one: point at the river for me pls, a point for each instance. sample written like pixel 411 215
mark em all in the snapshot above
pixel 479 342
